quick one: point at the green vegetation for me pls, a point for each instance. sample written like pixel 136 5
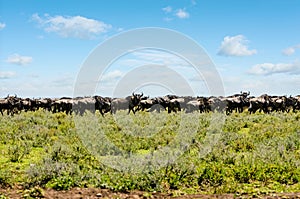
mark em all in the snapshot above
pixel 253 154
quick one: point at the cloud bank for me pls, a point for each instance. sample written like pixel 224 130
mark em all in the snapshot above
pixel 235 46
pixel 19 60
pixel 182 14
pixel 7 74
pixel 290 50
pixel 72 26
pixel 271 68
pixel 179 13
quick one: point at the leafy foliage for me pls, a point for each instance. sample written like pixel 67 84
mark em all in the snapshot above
pixel 258 153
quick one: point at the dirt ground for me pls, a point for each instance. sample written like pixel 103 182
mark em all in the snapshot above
pixel 93 193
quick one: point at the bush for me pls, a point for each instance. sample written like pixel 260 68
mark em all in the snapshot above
pixel 248 154
pixel 18 150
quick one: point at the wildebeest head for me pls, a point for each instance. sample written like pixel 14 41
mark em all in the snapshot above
pixel 245 94
pixel 136 98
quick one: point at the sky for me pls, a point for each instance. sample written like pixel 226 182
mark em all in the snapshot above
pixel 254 45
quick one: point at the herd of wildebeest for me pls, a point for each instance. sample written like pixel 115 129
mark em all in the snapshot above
pixel 138 102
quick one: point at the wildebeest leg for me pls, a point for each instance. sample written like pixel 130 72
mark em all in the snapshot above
pixel 82 112
pixel 12 112
pixel 132 110
pixel 254 111
pixel 158 109
pixel 101 112
pixel 129 109
pixel 265 109
pixel 113 110
pixel 227 112
pixel 240 109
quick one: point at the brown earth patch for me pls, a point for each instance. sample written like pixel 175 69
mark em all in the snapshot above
pixel 94 193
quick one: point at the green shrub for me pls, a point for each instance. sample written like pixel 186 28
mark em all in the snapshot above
pixel 255 153
pixel 18 150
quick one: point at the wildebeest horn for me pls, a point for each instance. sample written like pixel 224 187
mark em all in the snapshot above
pixel 248 92
pixel 142 94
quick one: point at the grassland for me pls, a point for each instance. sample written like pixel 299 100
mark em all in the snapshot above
pixel 253 154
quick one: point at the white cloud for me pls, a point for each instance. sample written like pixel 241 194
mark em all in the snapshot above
pixel 111 76
pixel 72 26
pixel 270 68
pixel 290 50
pixel 179 13
pixel 167 9
pixel 2 25
pixel 19 60
pixel 182 14
pixel 7 74
pixel 160 57
pixel 66 80
pixel 235 46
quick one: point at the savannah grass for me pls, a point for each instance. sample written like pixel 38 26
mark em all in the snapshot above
pixel 253 154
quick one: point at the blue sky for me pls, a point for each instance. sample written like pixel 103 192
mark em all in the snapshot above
pixel 255 44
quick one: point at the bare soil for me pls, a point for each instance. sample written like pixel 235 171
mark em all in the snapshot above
pixel 94 193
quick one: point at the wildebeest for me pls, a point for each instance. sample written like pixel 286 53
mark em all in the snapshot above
pixel 82 104
pixel 296 103
pixel 146 103
pixel 193 105
pixel 11 104
pixel 278 103
pixel 5 105
pixel 103 104
pixel 130 103
pixel 44 103
pixel 179 103
pixel 216 104
pixel 260 103
pixel 236 102
pixel 199 104
pixel 63 104
pixel 138 102
pixel 153 104
pixel 28 104
pixel 170 103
